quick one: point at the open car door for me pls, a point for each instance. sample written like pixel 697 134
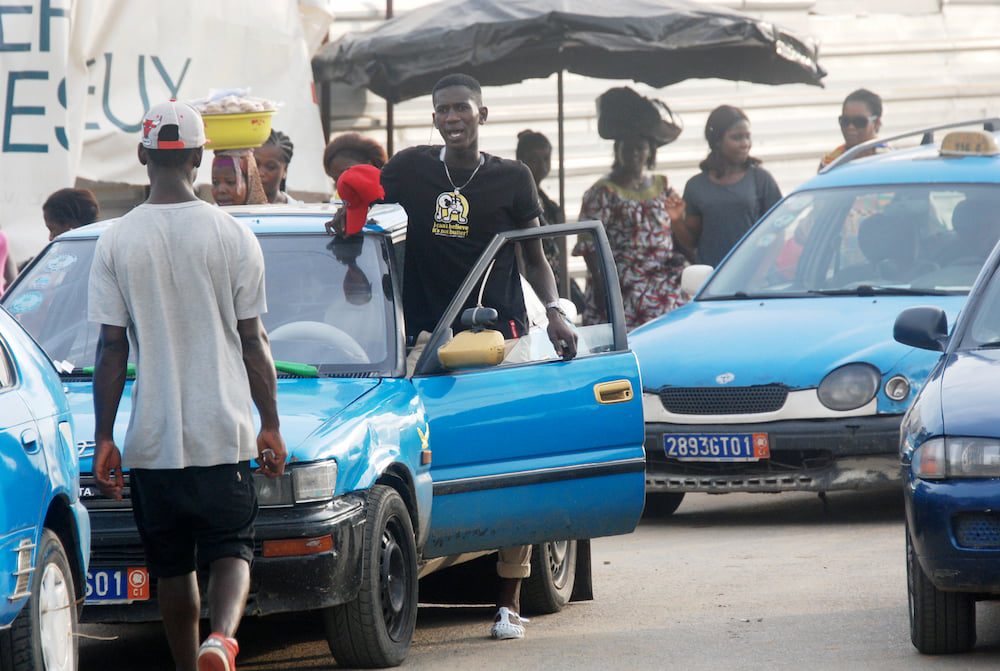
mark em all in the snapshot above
pixel 534 448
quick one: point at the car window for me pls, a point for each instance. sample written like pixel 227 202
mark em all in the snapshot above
pixel 326 298
pixel 984 329
pixel 594 326
pixel 7 376
pixel 921 238
pixel 591 325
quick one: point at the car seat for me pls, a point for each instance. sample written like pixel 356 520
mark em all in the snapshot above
pixel 889 245
pixel 977 229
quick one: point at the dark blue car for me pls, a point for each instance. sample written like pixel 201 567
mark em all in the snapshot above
pixel 44 529
pixel 950 451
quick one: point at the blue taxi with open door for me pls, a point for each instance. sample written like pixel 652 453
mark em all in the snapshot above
pixel 44 528
pixel 393 474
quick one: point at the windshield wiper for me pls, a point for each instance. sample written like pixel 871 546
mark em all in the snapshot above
pixel 877 290
pixel 88 371
pixel 994 344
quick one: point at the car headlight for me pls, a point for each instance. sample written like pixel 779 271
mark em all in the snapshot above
pixel 299 484
pixel 849 387
pixel 957 457
pixel 314 482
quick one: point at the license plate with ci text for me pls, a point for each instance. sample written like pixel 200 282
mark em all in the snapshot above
pixel 119 585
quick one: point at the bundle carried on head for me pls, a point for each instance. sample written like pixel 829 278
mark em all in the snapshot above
pixel 621 113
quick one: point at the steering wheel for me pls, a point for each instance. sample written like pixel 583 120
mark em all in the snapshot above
pixel 322 333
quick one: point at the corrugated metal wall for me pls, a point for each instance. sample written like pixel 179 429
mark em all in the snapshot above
pixel 932 61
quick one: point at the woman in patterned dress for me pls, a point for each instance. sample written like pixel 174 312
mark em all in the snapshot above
pixel 637 209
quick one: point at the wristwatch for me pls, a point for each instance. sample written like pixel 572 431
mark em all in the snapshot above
pixel 554 305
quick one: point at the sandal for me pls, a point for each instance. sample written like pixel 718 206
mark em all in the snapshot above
pixel 503 629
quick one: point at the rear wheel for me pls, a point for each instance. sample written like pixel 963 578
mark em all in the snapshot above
pixel 553 574
pixel 662 504
pixel 376 628
pixel 43 636
pixel 940 622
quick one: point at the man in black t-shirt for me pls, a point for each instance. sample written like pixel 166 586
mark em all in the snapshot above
pixel 456 199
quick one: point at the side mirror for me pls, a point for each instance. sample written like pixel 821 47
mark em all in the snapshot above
pixel 693 277
pixel 472 349
pixel 478 317
pixel 925 327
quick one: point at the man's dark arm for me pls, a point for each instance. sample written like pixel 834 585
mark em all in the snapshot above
pixel 109 383
pixel 109 379
pixel 264 392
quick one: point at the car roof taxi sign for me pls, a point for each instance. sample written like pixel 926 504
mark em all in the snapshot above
pixel 969 143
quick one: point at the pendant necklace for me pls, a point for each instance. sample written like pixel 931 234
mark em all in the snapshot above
pixel 458 189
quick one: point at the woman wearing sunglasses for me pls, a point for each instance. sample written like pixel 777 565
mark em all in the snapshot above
pixel 860 120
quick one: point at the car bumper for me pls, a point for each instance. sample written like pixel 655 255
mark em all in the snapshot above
pixel 955 530
pixel 806 455
pixel 277 584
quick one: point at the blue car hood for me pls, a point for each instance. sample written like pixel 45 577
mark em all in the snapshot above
pixel 303 405
pixel 793 341
pixel 970 394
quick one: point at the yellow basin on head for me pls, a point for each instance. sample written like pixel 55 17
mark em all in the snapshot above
pixel 237 131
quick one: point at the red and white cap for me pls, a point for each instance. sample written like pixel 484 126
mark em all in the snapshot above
pixel 190 127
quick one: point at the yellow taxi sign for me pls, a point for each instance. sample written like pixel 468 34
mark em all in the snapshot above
pixel 969 143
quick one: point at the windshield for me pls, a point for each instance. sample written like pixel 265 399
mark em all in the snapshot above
pixel 984 330
pixel 327 302
pixel 915 238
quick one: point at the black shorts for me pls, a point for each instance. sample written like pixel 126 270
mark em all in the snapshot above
pixel 189 517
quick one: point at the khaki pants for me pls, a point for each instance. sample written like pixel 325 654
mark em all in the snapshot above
pixel 514 562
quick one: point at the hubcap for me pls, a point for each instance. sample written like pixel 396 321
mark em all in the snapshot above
pixel 395 579
pixel 55 620
pixel 557 552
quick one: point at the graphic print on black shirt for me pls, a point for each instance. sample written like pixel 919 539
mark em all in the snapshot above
pixel 451 215
pixel 441 248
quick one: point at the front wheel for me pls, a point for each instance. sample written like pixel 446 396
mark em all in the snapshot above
pixel 376 628
pixel 43 636
pixel 941 623
pixel 553 575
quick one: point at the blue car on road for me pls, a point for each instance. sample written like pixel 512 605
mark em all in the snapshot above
pixel 44 528
pixel 950 453
pixel 393 474
pixel 781 373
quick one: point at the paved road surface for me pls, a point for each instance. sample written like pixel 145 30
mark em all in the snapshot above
pixel 736 581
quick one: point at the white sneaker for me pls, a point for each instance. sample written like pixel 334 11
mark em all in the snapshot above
pixel 503 629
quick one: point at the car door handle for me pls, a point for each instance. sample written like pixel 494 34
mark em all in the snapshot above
pixel 29 438
pixel 619 391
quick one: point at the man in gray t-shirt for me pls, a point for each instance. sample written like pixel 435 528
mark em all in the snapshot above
pixel 181 284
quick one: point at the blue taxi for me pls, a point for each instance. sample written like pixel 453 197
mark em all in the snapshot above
pixel 44 528
pixel 781 374
pixel 950 452
pixel 393 473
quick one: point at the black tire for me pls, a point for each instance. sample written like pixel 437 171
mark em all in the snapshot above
pixel 376 628
pixel 553 575
pixel 662 504
pixel 941 623
pixel 43 636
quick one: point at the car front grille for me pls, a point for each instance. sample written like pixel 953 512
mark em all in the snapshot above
pixel 977 530
pixel 724 400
